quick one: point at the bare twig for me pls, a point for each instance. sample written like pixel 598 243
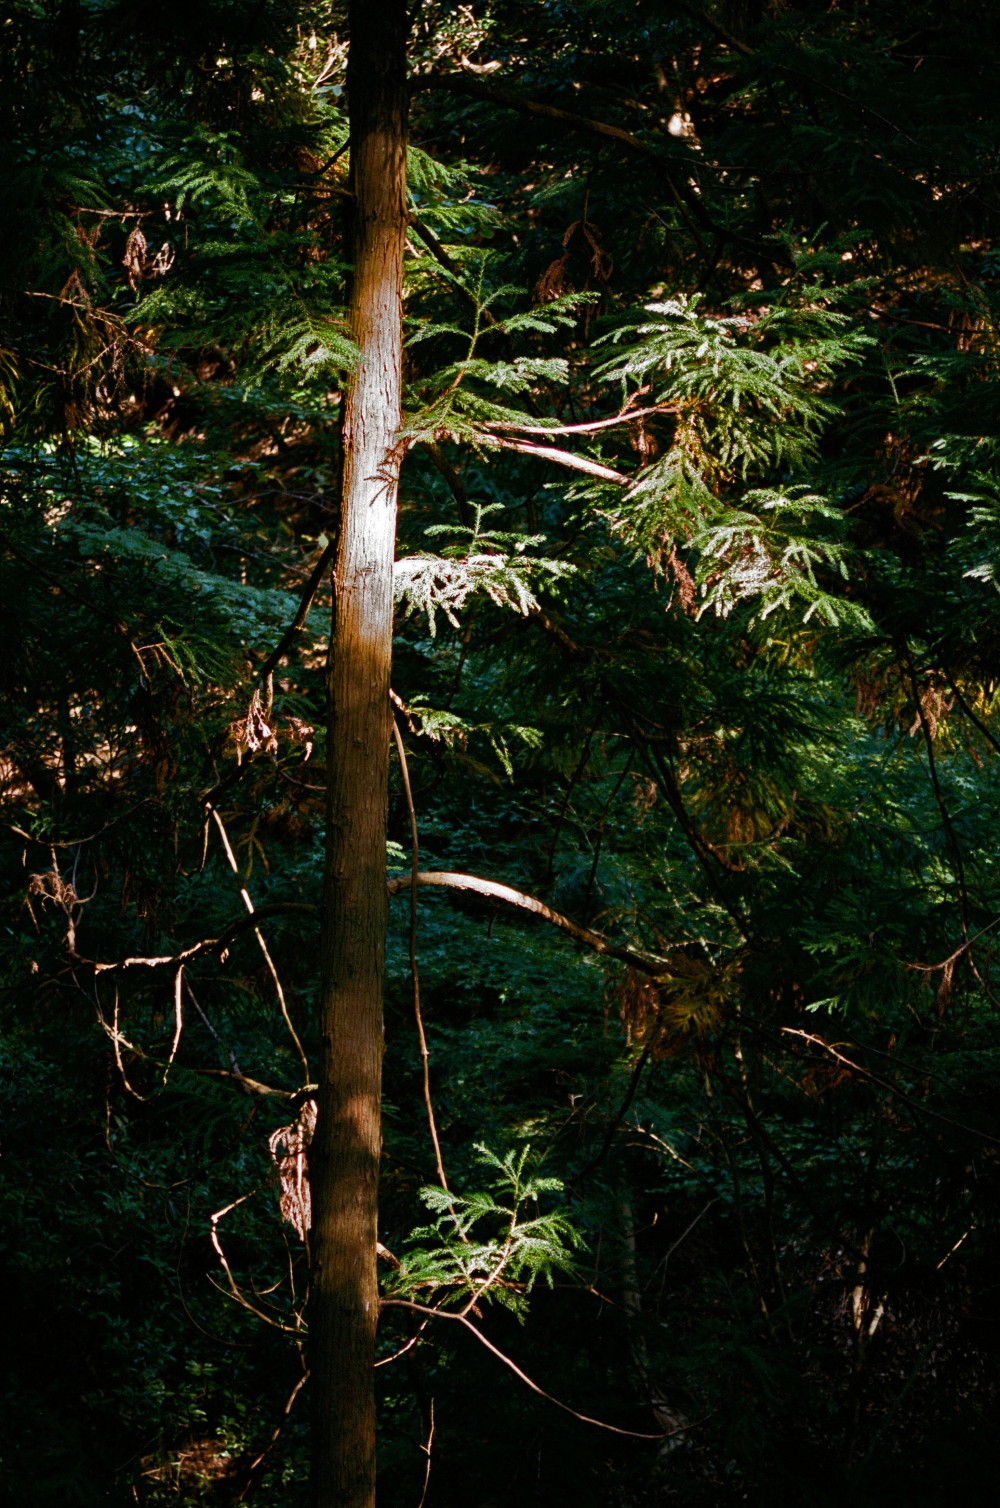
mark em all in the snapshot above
pixel 865 1073
pixel 522 1376
pixel 627 416
pixel 308 596
pixel 434 246
pixel 178 1021
pixel 414 971
pixel 233 1061
pixel 253 1470
pixel 218 944
pixel 427 1452
pixel 414 1340
pixel 683 193
pixel 248 903
pixel 233 1289
pixel 633 1085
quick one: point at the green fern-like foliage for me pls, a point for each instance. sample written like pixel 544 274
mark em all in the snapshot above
pixel 496 563
pixel 492 1245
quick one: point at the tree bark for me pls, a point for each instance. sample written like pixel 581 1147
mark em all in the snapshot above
pixel 344 1160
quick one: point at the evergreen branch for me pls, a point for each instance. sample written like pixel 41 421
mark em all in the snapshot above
pixel 687 200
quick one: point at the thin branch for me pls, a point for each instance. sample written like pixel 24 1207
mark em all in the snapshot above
pixel 973 716
pixel 576 776
pixel 821 82
pixel 702 851
pixel 932 968
pixel 865 1073
pixel 413 1341
pixel 688 1229
pixel 627 416
pixel 312 586
pixel 222 1046
pixel 953 1249
pixel 951 837
pixel 623 1109
pixel 564 458
pixel 178 1021
pixel 601 826
pixel 697 14
pixel 218 944
pixel 116 1041
pixel 266 671
pixel 466 510
pixel 253 1471
pixel 434 246
pixel 250 1086
pixel 685 196
pixel 523 1376
pixel 414 972
pixel 258 934
pixel 494 94
pixel 234 1290
pixel 427 1452
pixel 646 963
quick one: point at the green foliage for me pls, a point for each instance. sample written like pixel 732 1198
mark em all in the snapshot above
pixel 486 561
pixel 486 1246
pixel 738 712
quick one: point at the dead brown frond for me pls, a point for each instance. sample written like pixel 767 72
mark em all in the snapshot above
pixel 935 702
pixel 289 1147
pixel 583 240
pixel 141 263
pixel 253 732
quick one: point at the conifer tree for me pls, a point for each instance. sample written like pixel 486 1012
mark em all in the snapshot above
pixel 691 471
pixel 344 1162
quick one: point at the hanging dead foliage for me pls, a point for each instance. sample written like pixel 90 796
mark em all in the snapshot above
pixel 289 1147
pixel 253 732
pixel 141 262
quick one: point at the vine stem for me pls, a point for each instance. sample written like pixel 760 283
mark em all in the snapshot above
pixel 460 1319
pixel 414 970
pixel 248 903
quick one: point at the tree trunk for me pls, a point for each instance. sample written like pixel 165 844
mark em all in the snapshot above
pixel 347 1146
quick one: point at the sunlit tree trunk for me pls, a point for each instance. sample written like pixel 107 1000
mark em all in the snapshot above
pixel 345 1154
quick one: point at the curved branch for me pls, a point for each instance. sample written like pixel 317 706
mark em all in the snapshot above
pixel 564 458
pixel 613 1429
pixel 646 963
pixel 627 416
